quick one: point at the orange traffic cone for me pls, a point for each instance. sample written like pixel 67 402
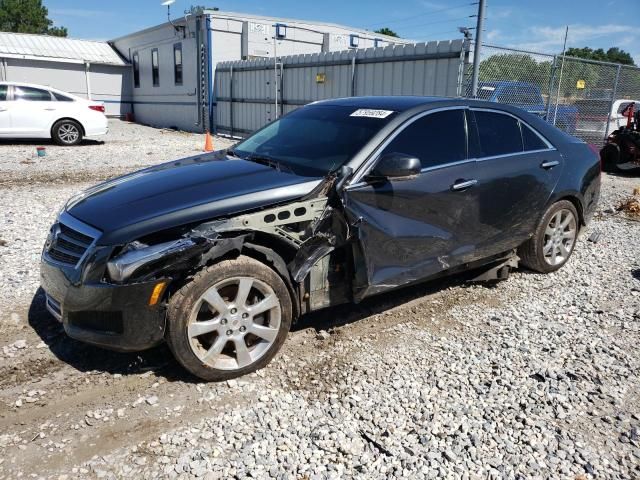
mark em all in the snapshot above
pixel 208 143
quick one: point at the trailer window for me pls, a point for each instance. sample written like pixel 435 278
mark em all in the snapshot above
pixel 155 67
pixel 136 70
pixel 177 63
pixel 3 92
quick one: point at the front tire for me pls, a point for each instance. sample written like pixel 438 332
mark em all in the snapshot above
pixel 67 133
pixel 553 241
pixel 230 320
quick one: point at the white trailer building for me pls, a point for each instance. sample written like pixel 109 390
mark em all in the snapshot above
pixel 88 69
pixel 174 63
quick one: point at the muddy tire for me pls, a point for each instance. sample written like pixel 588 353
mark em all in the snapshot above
pixel 553 241
pixel 67 133
pixel 230 320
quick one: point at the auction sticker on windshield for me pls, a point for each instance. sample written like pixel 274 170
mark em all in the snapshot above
pixel 366 112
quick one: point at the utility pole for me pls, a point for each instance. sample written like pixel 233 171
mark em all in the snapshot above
pixel 478 47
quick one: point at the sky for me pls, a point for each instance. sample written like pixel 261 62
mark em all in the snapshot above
pixel 536 25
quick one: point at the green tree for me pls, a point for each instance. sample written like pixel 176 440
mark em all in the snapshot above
pixel 614 54
pixel 387 31
pixel 516 67
pixel 27 16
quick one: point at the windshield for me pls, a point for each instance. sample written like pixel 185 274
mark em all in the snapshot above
pixel 314 140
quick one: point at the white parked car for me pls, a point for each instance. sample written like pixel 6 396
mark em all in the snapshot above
pixel 36 111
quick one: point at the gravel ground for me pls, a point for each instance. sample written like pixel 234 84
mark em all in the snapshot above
pixel 127 147
pixel 536 377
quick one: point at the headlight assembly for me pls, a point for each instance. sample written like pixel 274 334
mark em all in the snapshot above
pixel 138 255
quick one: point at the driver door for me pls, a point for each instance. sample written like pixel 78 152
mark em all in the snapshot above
pixel 412 228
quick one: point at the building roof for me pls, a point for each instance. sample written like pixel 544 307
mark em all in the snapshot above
pixel 57 49
pixel 359 31
pixel 247 16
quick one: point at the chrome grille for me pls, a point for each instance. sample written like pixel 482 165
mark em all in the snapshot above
pixel 69 240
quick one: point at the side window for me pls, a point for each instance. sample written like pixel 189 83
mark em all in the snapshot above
pixel 155 67
pixel 499 134
pixel 62 98
pixel 3 92
pixel 31 94
pixel 177 63
pixel 531 140
pixel 435 139
pixel 136 70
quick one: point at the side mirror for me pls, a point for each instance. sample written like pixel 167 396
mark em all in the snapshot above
pixel 396 165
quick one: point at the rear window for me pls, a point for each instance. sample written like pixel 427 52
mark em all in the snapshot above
pixel 499 134
pixel 531 140
pixel 624 105
pixel 62 98
pixel 31 94
pixel 485 92
pixel 3 92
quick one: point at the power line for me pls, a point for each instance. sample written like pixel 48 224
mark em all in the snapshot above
pixel 420 25
pixel 413 17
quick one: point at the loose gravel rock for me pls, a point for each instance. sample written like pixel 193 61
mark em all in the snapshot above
pixel 536 377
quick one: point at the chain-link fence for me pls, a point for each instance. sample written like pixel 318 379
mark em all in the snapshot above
pixel 585 98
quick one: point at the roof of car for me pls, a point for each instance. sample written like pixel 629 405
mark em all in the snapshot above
pixel 397 103
pixel 401 103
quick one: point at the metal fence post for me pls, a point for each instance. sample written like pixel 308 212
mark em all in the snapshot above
pixel 231 99
pixel 613 99
pixel 353 75
pixel 552 81
pixel 282 99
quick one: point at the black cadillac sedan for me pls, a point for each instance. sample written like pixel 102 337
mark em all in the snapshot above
pixel 219 253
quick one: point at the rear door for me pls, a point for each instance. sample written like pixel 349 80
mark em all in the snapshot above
pixel 410 229
pixel 517 170
pixel 32 111
pixel 5 116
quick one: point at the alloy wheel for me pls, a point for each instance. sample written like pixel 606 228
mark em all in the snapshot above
pixel 68 132
pixel 234 323
pixel 560 237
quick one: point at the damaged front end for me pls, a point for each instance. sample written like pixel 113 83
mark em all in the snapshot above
pixel 303 241
pixel 138 262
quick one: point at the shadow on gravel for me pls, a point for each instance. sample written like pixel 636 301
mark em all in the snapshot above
pixel 636 273
pixel 160 361
pixel 85 358
pixel 340 315
pixel 87 142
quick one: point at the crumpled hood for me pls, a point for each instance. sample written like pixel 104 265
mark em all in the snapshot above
pixel 180 192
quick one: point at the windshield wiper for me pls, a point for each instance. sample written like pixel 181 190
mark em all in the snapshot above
pixel 269 162
pixel 232 153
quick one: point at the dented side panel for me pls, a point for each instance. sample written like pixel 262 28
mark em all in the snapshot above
pixel 409 230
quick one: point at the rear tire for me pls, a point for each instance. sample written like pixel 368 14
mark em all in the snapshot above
pixel 553 241
pixel 230 320
pixel 67 133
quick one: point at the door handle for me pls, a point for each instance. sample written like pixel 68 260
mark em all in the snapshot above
pixel 3 109
pixel 550 164
pixel 50 109
pixel 463 185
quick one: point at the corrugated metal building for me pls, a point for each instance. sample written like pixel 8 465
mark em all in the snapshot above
pixel 85 68
pixel 174 63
